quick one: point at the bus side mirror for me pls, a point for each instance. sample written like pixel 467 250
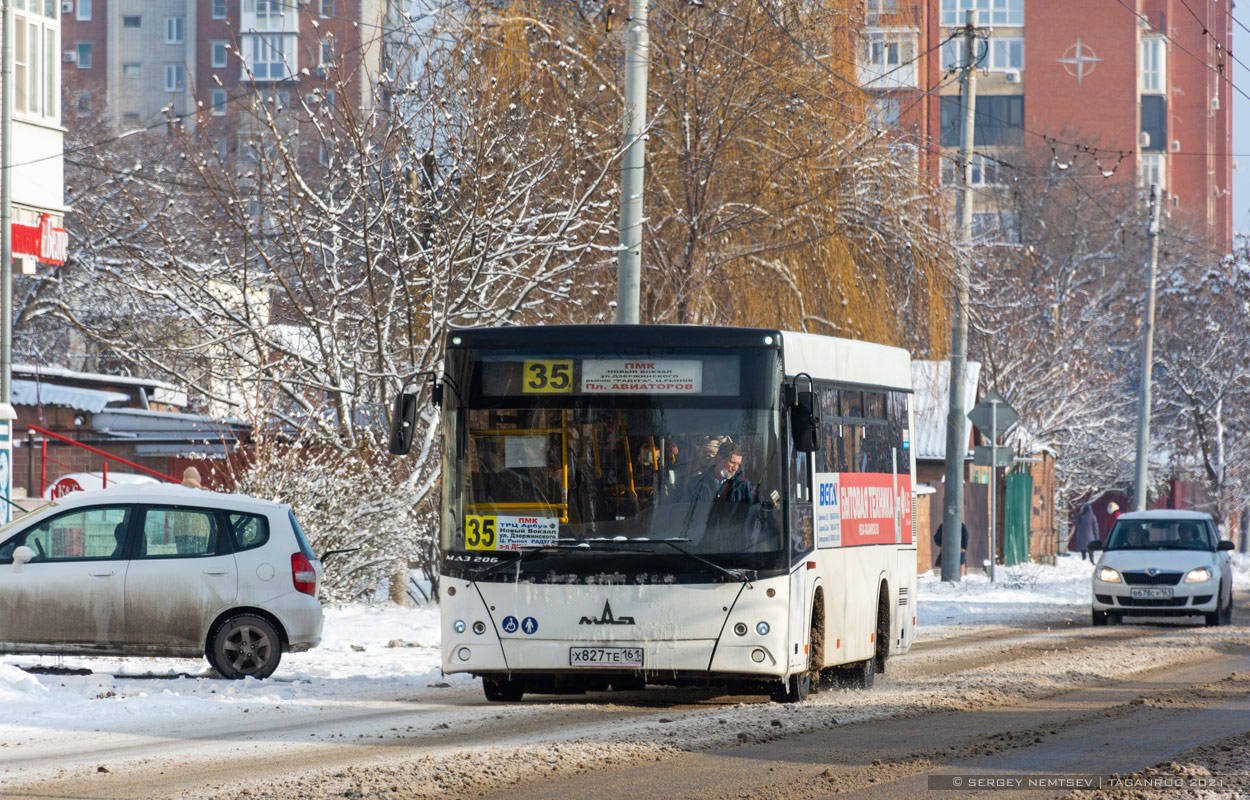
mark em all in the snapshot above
pixel 804 424
pixel 403 423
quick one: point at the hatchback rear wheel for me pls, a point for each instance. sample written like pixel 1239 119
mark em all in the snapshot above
pixel 245 646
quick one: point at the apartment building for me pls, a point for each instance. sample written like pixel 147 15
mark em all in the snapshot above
pixel 1143 85
pixel 135 63
pixel 37 155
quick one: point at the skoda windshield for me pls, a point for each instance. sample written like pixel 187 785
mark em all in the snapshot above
pixel 580 456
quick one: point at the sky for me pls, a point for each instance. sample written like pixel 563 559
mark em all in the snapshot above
pixel 1241 122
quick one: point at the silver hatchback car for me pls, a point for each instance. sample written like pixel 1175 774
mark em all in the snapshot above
pixel 160 571
pixel 1163 563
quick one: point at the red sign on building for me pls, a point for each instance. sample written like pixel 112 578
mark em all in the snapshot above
pixel 43 242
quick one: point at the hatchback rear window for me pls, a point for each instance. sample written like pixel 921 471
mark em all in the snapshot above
pixel 248 530
pixel 304 546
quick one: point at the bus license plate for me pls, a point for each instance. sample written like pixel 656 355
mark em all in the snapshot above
pixel 1151 594
pixel 605 656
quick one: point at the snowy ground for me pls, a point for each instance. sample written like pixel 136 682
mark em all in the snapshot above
pixel 382 652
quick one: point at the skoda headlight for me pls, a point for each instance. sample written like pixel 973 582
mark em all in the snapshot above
pixel 1108 575
pixel 1199 575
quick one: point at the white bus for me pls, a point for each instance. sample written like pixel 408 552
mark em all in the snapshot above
pixel 683 505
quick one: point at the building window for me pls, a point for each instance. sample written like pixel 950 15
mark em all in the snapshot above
pixel 131 71
pixel 83 11
pixel 1153 64
pixel 999 120
pixel 327 8
pixel 219 53
pixel 82 103
pixel 999 54
pixel 51 74
pixel 887 111
pixel 1152 169
pixel 989 12
pixel 268 13
pixel 886 60
pixel 219 9
pixel 218 102
pixel 34 41
pixel 267 57
pixel 131 22
pixel 175 77
pixel 1154 122
pixel 174 30
pixel 84 54
pixel 985 171
pixel 327 56
pixel 995 226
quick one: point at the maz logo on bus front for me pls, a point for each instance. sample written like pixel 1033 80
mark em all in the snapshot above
pixel 607 618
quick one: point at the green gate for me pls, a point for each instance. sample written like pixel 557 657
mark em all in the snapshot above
pixel 1016 514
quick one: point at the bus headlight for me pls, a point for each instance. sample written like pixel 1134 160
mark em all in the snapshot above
pixel 757 655
pixel 479 627
pixel 463 654
pixel 762 629
pixel 458 626
pixel 740 628
pixel 1200 575
pixel 1108 575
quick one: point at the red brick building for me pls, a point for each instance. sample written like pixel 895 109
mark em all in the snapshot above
pixel 1142 85
pixel 130 64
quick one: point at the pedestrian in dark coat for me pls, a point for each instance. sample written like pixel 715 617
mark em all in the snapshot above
pixel 1086 530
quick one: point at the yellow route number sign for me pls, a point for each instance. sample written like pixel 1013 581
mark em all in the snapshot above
pixel 548 377
pixel 480 533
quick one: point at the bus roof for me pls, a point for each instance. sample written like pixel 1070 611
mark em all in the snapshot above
pixel 704 336
pixel 823 357
pixel 846 360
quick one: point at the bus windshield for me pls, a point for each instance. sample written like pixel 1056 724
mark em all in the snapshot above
pixel 700 468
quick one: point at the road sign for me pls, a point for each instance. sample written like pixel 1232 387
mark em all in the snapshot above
pixel 993 411
pixel 1003 456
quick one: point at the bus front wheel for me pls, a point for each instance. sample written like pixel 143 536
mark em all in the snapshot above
pixel 794 690
pixel 503 690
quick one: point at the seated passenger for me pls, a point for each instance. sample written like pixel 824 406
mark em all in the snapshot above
pixel 1190 537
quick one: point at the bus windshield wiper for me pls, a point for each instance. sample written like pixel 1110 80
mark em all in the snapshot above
pixel 521 556
pixel 561 546
pixel 733 574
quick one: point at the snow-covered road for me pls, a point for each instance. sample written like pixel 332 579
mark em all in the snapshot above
pixel 372 694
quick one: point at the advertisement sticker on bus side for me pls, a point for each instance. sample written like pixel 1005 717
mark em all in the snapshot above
pixel 854 508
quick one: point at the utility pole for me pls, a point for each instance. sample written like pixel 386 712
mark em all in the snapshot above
pixel 629 264
pixel 956 418
pixel 1147 357
pixel 6 206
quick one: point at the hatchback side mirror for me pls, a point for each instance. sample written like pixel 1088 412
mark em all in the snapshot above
pixel 1225 544
pixel 23 554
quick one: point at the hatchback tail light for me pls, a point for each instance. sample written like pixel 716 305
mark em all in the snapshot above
pixel 303 574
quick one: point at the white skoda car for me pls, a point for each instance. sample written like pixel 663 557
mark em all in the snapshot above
pixel 160 571
pixel 1163 563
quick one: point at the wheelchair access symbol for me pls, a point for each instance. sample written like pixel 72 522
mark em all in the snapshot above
pixel 509 624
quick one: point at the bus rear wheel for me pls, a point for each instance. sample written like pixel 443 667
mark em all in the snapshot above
pixel 861 674
pixel 503 690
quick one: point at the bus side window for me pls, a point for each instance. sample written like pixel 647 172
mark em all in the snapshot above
pixel 830 431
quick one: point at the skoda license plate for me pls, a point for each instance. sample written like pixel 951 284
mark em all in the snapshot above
pixel 1152 594
pixel 605 656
